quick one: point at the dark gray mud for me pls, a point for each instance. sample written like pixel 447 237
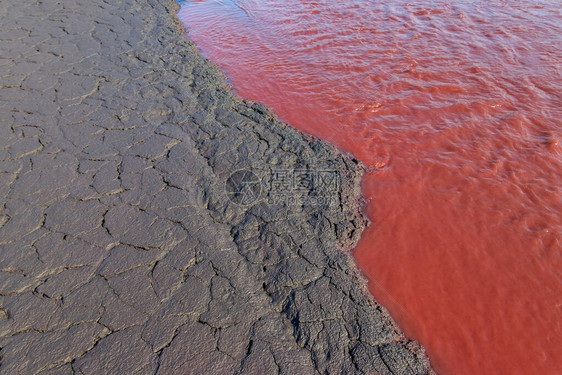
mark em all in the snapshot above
pixel 122 249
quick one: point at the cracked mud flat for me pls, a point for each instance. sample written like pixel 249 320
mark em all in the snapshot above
pixel 120 251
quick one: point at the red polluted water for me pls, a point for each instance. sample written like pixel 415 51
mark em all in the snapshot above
pixel 455 107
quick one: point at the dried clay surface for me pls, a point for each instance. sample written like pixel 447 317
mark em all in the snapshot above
pixel 122 253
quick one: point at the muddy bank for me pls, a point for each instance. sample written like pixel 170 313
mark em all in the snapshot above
pixel 128 244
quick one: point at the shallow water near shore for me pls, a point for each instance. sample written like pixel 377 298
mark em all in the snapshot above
pixel 455 107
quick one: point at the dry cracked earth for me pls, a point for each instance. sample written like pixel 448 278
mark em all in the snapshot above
pixel 121 253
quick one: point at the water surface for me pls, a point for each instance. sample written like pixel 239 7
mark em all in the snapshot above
pixel 456 108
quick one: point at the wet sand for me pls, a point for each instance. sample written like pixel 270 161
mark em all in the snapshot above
pixel 122 251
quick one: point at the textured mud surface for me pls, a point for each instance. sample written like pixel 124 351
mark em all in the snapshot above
pixel 121 252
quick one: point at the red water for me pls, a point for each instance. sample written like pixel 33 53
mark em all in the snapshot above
pixel 456 107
